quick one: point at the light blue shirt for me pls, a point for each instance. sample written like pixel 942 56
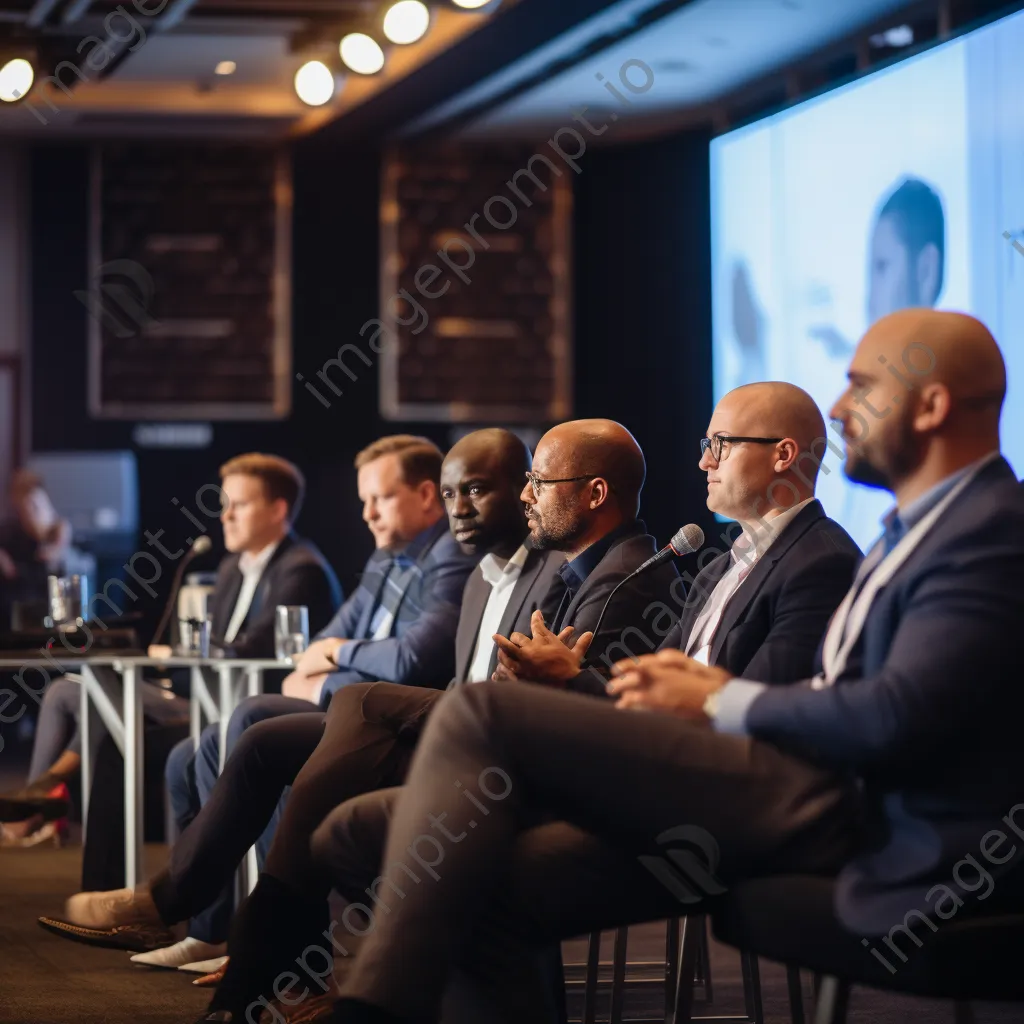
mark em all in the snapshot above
pixel 735 698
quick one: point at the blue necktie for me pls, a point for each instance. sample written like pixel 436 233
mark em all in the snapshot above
pixel 894 533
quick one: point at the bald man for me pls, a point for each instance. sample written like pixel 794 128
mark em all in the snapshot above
pixel 911 725
pixel 480 481
pixel 761 606
pixel 761 603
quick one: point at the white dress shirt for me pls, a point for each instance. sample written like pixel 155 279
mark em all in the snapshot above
pixel 251 567
pixel 502 579
pixel 746 552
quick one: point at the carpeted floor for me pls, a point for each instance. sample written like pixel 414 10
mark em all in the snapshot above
pixel 46 980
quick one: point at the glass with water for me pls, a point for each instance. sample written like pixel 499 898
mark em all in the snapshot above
pixel 68 597
pixel 194 638
pixel 291 631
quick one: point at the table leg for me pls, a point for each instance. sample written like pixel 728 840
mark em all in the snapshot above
pixel 227 705
pixel 85 773
pixel 195 707
pixel 133 784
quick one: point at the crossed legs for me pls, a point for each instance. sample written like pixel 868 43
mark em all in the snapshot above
pixel 524 820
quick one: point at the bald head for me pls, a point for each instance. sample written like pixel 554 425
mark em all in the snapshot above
pixel 925 396
pixel 951 349
pixel 586 482
pixel 776 409
pixel 601 448
pixel 777 466
pixel 499 448
pixel 481 480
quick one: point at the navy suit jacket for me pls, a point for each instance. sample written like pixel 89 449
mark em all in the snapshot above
pixel 421 648
pixel 927 714
pixel 773 624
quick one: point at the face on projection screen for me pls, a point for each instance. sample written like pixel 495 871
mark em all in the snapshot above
pixel 897 190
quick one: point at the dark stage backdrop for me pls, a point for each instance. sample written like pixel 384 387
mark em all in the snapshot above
pixel 642 333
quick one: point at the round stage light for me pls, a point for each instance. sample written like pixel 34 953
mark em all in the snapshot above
pixel 361 53
pixel 407 21
pixel 470 5
pixel 314 83
pixel 225 67
pixel 16 78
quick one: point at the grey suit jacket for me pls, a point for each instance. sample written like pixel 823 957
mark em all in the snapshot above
pixel 531 591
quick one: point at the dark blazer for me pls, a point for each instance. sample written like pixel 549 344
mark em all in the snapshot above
pixel 297 573
pixel 421 649
pixel 533 590
pixel 629 624
pixel 774 623
pixel 927 714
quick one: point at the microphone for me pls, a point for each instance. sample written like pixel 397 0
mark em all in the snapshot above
pixel 199 547
pixel 685 541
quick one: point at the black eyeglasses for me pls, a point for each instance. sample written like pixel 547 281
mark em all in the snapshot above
pixel 715 443
pixel 535 481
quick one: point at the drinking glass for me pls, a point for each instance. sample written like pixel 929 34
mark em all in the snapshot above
pixel 291 631
pixel 67 598
pixel 194 636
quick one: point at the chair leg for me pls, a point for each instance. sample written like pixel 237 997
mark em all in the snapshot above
pixel 618 975
pixel 683 1009
pixel 963 1013
pixel 590 984
pixel 752 987
pixel 796 995
pixel 671 964
pixel 833 1001
pixel 704 958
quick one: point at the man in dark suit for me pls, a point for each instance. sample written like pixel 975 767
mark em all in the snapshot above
pixel 480 482
pixel 760 606
pixel 267 564
pixel 917 664
pixel 371 731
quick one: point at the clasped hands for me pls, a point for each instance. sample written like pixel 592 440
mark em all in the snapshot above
pixel 544 657
pixel 315 664
pixel 666 681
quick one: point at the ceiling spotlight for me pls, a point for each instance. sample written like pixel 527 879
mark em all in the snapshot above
pixel 407 21
pixel 315 84
pixel 470 5
pixel 361 53
pixel 16 78
pixel 225 67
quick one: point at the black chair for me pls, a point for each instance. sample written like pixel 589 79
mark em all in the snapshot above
pixel 687 966
pixel 791 920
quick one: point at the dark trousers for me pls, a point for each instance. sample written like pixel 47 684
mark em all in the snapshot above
pixel 364 742
pixel 464 883
pixel 192 774
pixel 103 853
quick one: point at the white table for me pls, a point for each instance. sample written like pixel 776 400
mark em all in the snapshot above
pixel 125 723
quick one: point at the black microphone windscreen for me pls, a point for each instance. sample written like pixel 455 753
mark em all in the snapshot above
pixel 687 539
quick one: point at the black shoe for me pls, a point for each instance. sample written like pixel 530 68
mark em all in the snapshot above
pixel 353 1011
pixel 20 807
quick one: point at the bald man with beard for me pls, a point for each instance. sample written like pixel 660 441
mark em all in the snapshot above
pixel 910 726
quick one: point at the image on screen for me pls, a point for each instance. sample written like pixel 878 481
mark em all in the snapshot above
pixel 904 188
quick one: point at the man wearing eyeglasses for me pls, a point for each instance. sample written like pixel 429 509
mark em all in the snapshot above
pixel 761 605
